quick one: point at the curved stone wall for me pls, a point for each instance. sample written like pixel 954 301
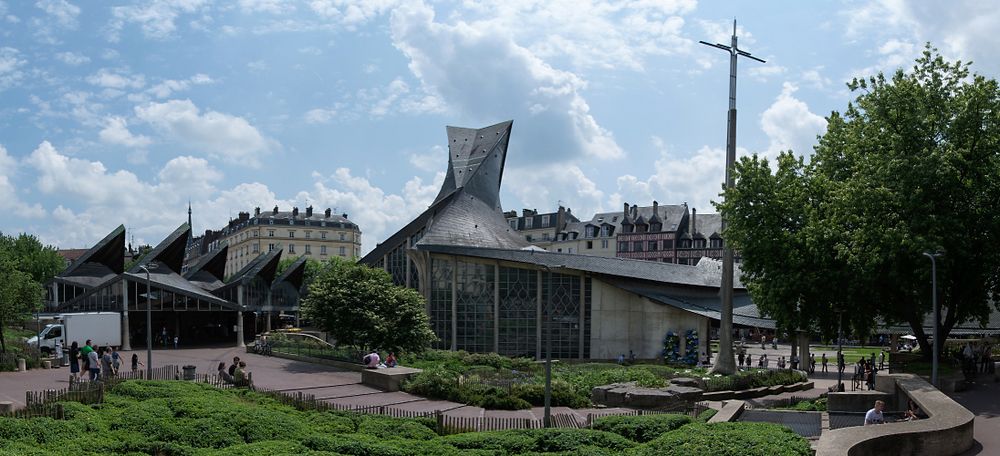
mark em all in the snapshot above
pixel 947 431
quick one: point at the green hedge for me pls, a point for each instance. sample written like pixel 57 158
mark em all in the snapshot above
pixel 187 419
pixel 641 428
pixel 726 439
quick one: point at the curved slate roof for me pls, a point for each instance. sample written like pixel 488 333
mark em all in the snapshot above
pixel 469 221
pixel 705 274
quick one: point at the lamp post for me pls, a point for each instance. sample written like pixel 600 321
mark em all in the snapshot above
pixel 937 314
pixel 840 349
pixel 149 320
pixel 547 417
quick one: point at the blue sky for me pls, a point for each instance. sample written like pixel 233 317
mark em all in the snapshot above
pixel 119 112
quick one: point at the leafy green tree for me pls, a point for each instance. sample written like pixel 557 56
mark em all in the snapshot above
pixel 360 306
pixel 912 165
pixel 40 261
pixel 20 294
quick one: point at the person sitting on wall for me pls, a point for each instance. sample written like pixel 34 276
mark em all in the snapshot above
pixel 371 360
pixel 912 411
pixel 390 361
pixel 241 378
pixel 224 374
pixel 874 416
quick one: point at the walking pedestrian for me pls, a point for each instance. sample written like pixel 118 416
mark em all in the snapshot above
pixel 74 360
pixel 740 358
pixel 93 365
pixel 175 342
pixel 823 360
pixel 116 360
pixel 106 363
pixel 135 362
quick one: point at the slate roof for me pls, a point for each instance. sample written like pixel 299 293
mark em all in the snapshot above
pixel 264 266
pixel 708 224
pixel 745 312
pixel 167 279
pixel 168 253
pixel 469 221
pixel 294 274
pixel 705 274
pixel 670 215
pixel 466 211
pixel 209 271
pixel 102 262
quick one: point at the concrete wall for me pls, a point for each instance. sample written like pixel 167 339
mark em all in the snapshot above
pixel 947 431
pixel 623 321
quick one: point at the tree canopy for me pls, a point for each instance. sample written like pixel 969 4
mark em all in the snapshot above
pixel 25 264
pixel 360 306
pixel 911 166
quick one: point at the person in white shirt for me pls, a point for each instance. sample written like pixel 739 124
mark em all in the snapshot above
pixel 874 416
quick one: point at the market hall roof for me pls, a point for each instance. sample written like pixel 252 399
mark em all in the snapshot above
pixel 167 257
pixel 100 263
pixel 294 275
pixel 210 270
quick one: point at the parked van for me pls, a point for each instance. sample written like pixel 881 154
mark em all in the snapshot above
pixel 103 328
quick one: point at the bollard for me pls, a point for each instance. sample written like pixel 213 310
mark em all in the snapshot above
pixel 46 364
pixel 21 365
pixel 6 407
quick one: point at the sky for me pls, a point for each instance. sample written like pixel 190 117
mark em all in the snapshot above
pixel 122 112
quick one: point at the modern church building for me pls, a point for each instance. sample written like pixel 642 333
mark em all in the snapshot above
pixel 489 290
pixel 200 306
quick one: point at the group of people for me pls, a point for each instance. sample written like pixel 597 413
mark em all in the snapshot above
pixel 97 363
pixel 977 358
pixel 236 373
pixel 876 416
pixel 864 373
pixel 374 361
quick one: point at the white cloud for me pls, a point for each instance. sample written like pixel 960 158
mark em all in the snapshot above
pixel 320 115
pixel 170 86
pixel 229 138
pixel 155 18
pixel 789 124
pixel 72 58
pixel 10 67
pixel 961 29
pixel 63 12
pixel 816 78
pixel 350 13
pixel 546 185
pixel 765 71
pixel 311 50
pixel 480 72
pixel 119 79
pixel 378 213
pixel 430 161
pixel 266 6
pixel 116 132
pixel 10 201
pixel 257 65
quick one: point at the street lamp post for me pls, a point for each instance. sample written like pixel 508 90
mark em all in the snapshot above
pixel 937 314
pixel 547 417
pixel 149 321
pixel 840 349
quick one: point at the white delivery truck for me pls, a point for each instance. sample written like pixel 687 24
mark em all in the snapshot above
pixel 102 328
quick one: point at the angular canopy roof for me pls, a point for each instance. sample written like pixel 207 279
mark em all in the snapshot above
pixel 294 274
pixel 169 253
pixel 100 263
pixel 210 270
pixel 476 160
pixel 264 266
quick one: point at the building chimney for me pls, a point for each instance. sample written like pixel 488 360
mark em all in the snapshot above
pixel 625 212
pixel 328 212
pixel 635 211
pixel 295 212
pixel 694 219
pixel 344 215
pixel 655 207
pixel 560 219
pixel 275 210
pixel 309 211
pixel 256 212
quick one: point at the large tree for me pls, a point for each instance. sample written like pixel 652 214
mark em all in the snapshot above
pixel 360 306
pixel 20 294
pixel 912 165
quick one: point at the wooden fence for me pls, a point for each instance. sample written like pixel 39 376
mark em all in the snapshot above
pixel 54 411
pixel 84 394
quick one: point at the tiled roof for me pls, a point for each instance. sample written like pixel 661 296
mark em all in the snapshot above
pixel 708 224
pixel 468 221
pixel 745 312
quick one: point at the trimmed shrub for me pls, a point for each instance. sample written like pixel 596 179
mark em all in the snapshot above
pixel 539 440
pixel 706 415
pixel 563 394
pixel 641 428
pixel 394 428
pixel 433 382
pixel 726 439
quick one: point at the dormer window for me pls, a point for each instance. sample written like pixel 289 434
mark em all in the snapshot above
pixel 604 231
pixel 545 221
pixel 528 222
pixel 655 227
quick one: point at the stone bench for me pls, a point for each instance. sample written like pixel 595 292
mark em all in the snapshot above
pixel 946 432
pixel 388 379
